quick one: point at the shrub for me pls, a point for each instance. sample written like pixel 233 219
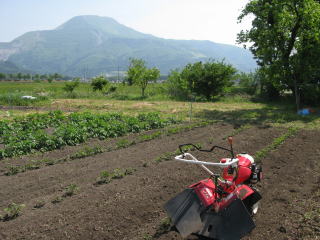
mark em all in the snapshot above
pixel 70 86
pixel 99 83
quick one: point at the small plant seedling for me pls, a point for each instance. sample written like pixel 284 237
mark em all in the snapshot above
pixel 106 177
pixel 70 190
pixel 12 211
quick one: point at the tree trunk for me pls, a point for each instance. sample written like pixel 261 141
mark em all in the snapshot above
pixel 296 93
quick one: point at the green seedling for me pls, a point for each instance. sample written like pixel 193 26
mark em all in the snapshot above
pixel 71 190
pixel 12 211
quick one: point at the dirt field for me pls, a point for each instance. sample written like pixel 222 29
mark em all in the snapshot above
pixel 132 207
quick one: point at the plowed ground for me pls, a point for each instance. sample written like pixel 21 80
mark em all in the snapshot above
pixel 132 207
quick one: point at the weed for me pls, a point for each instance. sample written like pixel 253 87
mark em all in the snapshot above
pixel 70 190
pixel 12 211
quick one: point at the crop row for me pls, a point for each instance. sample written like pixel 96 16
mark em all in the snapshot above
pixel 45 132
pixel 91 151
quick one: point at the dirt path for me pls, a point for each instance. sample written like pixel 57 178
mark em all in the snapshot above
pixel 128 208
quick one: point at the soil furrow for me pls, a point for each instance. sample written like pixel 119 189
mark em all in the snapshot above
pixel 123 209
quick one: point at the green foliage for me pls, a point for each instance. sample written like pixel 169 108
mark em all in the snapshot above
pixel 99 83
pixel 275 144
pixel 123 143
pixel 70 86
pixel 27 134
pixel 71 190
pixel 248 81
pixel 15 99
pixel 106 177
pixel 86 152
pixel 140 74
pixel 2 76
pixel 12 211
pixel 206 80
pixel 286 42
pixel 178 87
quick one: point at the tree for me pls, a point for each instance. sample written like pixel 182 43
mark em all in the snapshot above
pixel 177 86
pixel 50 78
pixel 248 81
pixel 286 37
pixel 56 76
pixel 70 86
pixel 208 79
pixel 43 77
pixel 140 74
pixel 36 77
pixel 98 83
pixel 2 76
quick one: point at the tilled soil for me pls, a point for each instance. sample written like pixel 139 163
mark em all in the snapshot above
pixel 132 207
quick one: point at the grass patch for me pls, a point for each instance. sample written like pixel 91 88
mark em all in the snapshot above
pixel 15 99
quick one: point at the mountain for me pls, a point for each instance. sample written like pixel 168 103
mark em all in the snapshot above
pixel 94 45
pixel 9 67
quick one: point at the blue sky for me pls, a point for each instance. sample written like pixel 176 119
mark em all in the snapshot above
pixel 214 20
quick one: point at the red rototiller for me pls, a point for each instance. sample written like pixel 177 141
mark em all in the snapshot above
pixel 221 206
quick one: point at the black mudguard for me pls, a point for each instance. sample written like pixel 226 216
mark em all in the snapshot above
pixel 185 210
pixel 189 216
pixel 231 223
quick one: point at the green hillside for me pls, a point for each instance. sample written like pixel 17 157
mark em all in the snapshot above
pixel 97 45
